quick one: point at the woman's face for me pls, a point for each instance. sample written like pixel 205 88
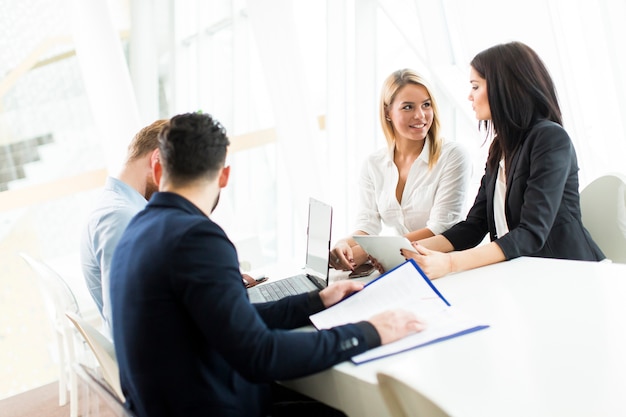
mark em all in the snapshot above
pixel 411 112
pixel 478 96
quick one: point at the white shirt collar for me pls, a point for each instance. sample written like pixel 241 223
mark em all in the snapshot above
pixel 424 155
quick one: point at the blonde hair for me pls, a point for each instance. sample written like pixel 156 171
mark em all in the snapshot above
pixel 396 81
pixel 146 140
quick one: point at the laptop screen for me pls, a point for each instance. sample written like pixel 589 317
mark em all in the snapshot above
pixel 318 239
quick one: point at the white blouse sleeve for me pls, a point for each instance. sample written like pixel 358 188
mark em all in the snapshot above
pixel 368 218
pixel 450 196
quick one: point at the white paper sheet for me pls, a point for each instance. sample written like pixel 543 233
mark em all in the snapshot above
pixel 404 287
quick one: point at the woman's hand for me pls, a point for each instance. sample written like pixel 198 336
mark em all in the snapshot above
pixel 434 264
pixel 341 257
pixel 344 257
pixel 377 264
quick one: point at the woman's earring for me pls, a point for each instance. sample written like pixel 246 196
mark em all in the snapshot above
pixel 388 119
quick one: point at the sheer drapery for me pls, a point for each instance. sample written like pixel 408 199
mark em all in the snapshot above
pixel 331 57
pixel 106 78
pixel 278 65
pixel 301 169
pixel 583 44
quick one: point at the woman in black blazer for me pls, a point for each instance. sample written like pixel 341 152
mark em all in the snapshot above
pixel 528 199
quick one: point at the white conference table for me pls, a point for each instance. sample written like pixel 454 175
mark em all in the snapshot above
pixel 556 347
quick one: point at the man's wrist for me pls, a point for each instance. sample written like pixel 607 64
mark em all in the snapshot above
pixel 316 303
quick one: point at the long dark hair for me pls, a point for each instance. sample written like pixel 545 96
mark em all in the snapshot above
pixel 520 92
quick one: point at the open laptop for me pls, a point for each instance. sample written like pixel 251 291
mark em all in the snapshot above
pixel 315 273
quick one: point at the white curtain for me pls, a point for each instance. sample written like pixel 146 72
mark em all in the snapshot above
pixel 301 167
pixel 106 78
pixel 283 63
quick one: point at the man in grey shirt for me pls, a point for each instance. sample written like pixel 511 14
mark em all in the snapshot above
pixel 123 197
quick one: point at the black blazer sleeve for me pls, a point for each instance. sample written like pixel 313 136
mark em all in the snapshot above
pixel 472 230
pixel 542 203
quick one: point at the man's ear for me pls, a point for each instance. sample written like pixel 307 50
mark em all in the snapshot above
pixel 154 157
pixel 224 174
pixel 157 169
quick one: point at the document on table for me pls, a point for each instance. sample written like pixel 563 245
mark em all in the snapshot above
pixel 405 287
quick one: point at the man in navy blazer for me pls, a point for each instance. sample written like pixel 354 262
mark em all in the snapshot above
pixel 188 341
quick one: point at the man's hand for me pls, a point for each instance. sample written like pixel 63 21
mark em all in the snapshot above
pixel 250 282
pixel 339 290
pixel 393 325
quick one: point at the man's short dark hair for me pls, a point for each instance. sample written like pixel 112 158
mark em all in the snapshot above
pixel 192 146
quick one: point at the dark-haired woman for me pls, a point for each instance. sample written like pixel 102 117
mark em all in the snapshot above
pixel 528 199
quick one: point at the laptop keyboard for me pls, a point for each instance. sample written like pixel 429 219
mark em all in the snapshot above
pixel 276 290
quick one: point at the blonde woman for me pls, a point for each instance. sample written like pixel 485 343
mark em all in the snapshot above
pixel 417 184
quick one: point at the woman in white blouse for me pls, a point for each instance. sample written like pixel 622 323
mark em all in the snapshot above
pixel 417 184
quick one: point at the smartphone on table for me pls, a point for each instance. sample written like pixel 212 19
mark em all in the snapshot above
pixel 362 270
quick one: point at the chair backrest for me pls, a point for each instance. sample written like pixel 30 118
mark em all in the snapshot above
pixel 603 207
pixel 403 400
pixel 58 298
pixel 97 397
pixel 104 351
pixel 57 294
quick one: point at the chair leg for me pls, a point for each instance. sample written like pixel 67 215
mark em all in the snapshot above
pixel 73 394
pixel 71 359
pixel 63 366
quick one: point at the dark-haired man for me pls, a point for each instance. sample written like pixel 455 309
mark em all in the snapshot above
pixel 188 341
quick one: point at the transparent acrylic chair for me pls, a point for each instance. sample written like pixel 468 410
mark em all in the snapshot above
pixel 59 298
pixel 96 396
pixel 104 352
